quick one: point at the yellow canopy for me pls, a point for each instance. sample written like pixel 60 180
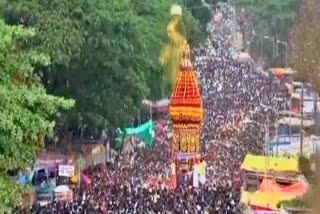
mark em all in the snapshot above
pixel 279 164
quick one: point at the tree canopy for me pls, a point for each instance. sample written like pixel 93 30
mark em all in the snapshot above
pixel 27 111
pixel 310 199
pixel 104 53
pixel 272 15
pixel 304 43
pixel 271 18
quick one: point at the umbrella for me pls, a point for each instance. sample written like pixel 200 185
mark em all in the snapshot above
pixel 244 57
pixel 61 189
pixel 277 71
pixel 63 193
pixel 217 17
pixel 84 179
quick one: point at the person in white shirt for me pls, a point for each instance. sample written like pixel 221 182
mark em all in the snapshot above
pixel 195 176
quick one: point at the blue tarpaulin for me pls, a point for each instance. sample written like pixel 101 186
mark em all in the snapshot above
pixel 23 179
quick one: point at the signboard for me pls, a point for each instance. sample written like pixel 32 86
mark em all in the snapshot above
pixel 66 170
pixel 308 100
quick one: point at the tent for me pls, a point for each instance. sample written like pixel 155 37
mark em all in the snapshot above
pixel 279 164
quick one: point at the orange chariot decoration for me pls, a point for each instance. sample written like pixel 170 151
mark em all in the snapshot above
pixel 186 114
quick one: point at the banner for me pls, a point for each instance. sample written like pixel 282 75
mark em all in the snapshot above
pixel 66 170
pixel 257 163
pixel 145 132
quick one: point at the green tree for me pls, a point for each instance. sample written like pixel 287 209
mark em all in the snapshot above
pixel 271 18
pixel 304 43
pixel 200 10
pixel 56 23
pixel 27 111
pixel 105 54
pixel 305 166
pixel 310 199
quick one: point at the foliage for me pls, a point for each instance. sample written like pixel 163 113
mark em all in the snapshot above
pixel 311 198
pixel 305 166
pixel 58 33
pixel 292 203
pixel 275 15
pixel 304 42
pixel 272 18
pixel 26 110
pixel 104 53
pixel 199 10
pixel 10 193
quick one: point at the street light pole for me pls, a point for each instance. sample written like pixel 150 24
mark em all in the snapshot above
pixel 261 51
pixel 277 138
pixel 266 147
pixel 286 55
pixel 273 44
pixel 301 119
pixel 265 152
pixel 286 46
pixel 315 109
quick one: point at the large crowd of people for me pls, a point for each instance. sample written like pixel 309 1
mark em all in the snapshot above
pixel 237 101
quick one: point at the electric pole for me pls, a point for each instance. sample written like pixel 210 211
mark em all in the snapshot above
pixel 301 119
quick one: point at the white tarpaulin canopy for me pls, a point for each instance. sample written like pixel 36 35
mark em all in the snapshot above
pixel 163 102
pixel 288 113
pixel 61 189
pixel 295 121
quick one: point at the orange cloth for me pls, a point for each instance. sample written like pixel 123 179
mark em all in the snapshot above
pixel 174 181
pixel 292 191
pixel 277 71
